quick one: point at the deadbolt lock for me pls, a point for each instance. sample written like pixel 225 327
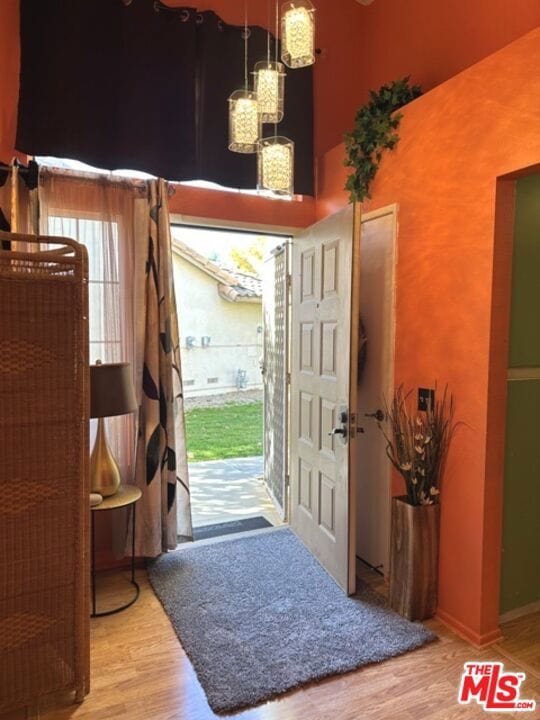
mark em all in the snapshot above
pixel 342 429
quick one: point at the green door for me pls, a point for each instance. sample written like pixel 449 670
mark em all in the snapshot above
pixel 520 581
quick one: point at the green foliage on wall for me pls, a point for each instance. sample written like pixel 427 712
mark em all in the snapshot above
pixel 374 131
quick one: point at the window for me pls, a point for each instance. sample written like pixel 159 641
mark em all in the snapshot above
pixel 101 241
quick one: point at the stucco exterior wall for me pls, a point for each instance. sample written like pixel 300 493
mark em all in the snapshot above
pixel 235 331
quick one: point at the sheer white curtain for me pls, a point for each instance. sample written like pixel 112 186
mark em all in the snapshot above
pixel 98 212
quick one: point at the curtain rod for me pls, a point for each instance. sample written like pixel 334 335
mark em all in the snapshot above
pixel 22 168
pixel 29 173
pixel 184 13
pixel 95 177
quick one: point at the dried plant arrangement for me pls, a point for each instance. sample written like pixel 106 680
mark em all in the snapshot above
pixel 417 443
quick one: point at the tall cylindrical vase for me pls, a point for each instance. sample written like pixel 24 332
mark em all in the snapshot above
pixel 414 559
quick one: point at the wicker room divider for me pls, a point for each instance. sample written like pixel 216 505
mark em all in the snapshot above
pixel 44 481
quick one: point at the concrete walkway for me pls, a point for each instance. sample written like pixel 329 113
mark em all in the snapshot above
pixel 225 490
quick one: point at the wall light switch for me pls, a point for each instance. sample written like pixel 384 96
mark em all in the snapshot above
pixel 426 399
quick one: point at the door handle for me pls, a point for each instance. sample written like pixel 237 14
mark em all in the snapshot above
pixel 378 415
pixel 343 428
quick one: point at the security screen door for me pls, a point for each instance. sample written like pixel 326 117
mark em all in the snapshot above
pixel 275 368
pixel 324 360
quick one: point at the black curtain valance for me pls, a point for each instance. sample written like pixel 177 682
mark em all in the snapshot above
pixel 144 87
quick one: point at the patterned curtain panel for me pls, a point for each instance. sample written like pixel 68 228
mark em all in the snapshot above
pixel 164 513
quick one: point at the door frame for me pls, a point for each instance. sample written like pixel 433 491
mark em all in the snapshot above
pixel 498 377
pixel 285 234
pixel 353 390
pixel 393 210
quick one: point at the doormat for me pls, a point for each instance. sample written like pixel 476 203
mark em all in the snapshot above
pixel 258 616
pixel 204 532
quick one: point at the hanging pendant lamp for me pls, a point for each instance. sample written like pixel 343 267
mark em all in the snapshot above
pixel 275 166
pixel 270 84
pixel 270 89
pixel 298 33
pixel 244 121
pixel 244 118
pixel 275 159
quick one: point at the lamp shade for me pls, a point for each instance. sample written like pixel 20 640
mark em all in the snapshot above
pixel 111 390
pixel 298 33
pixel 244 122
pixel 275 165
pixel 270 89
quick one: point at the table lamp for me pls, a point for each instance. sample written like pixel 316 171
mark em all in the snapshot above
pixel 111 393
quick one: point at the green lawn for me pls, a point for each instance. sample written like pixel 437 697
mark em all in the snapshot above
pixel 229 431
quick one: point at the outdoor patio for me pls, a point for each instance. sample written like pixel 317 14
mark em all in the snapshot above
pixel 229 490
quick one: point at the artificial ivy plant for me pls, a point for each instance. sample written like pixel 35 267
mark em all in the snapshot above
pixel 374 131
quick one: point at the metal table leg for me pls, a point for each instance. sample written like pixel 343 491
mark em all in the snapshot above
pixel 132 580
pixel 93 565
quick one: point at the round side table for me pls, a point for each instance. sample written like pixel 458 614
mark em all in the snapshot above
pixel 127 496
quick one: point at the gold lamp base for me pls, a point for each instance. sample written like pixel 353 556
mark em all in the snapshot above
pixel 104 471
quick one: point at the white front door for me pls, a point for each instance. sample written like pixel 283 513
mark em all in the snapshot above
pixel 377 290
pixel 323 391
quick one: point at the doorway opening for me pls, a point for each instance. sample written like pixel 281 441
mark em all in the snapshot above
pixel 520 581
pixel 225 304
pixel 311 402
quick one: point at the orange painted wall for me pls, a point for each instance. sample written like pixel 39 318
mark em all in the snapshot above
pixel 453 290
pixel 9 76
pixel 431 40
pixel 239 207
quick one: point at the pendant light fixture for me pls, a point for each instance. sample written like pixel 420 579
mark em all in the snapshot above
pixel 270 88
pixel 270 85
pixel 276 165
pixel 275 159
pixel 244 117
pixel 298 33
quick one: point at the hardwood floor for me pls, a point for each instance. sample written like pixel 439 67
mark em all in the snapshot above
pixel 140 672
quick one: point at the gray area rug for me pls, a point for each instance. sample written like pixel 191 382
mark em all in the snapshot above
pixel 258 616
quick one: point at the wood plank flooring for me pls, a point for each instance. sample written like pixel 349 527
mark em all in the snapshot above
pixel 140 672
